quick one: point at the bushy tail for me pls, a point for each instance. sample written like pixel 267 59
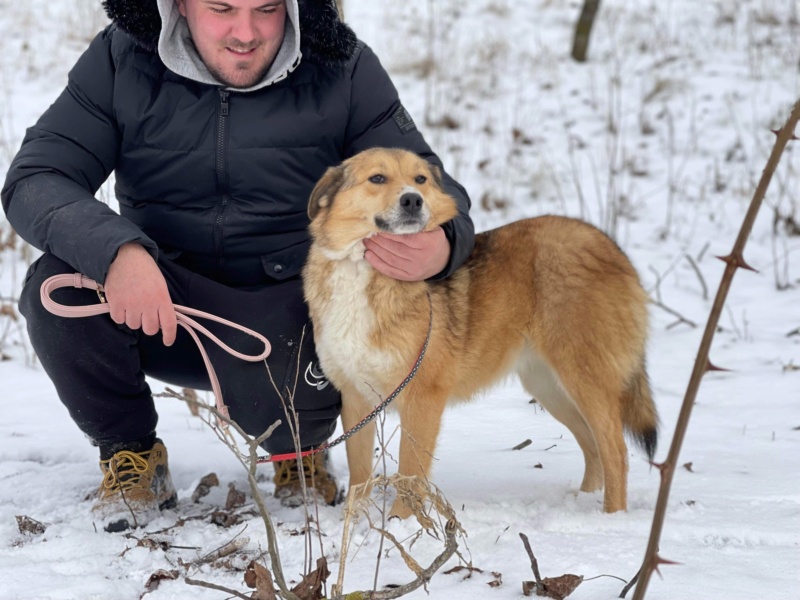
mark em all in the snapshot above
pixel 639 412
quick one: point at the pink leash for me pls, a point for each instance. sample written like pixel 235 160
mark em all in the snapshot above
pixel 190 325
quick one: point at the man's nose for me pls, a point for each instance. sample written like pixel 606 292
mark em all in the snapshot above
pixel 243 28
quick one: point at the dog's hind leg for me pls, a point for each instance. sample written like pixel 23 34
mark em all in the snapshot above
pixel 597 391
pixel 539 380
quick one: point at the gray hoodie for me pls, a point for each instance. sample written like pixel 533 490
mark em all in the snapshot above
pixel 177 51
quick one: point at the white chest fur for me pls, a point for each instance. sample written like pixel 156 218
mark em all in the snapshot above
pixel 343 329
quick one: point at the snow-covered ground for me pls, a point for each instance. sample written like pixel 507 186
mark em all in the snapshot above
pixel 660 139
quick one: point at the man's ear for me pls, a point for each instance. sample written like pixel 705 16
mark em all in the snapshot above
pixel 325 191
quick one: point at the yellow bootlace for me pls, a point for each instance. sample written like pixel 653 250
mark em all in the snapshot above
pixel 129 463
pixel 286 470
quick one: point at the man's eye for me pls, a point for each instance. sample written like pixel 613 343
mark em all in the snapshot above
pixel 268 11
pixel 420 179
pixel 378 179
pixel 219 11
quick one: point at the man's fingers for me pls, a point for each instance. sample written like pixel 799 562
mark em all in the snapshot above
pixel 117 314
pixel 133 319
pixel 389 251
pixel 150 323
pixel 383 267
pixel 400 240
pixel 169 324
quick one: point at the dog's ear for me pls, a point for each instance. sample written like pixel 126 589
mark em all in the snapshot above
pixel 437 175
pixel 325 190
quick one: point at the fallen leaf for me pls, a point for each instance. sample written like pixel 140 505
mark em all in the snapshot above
pixel 258 576
pixel 225 519
pixel 235 497
pixel 688 467
pixel 310 588
pixel 457 569
pixel 29 526
pixel 155 580
pixel 528 587
pixel 204 487
pixel 559 588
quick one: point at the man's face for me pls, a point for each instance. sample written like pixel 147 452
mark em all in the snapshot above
pixel 236 39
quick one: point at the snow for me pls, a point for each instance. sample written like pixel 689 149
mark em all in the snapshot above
pixel 663 134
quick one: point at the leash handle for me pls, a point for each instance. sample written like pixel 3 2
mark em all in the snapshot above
pixel 77 280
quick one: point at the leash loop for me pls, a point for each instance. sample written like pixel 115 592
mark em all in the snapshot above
pixel 182 314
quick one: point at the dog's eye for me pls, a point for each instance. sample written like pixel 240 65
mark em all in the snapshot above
pixel 378 179
pixel 420 179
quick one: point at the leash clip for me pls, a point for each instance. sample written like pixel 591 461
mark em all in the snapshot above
pixel 101 294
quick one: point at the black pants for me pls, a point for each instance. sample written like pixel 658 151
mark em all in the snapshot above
pixel 99 367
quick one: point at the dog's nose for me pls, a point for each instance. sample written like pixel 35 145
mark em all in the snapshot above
pixel 411 203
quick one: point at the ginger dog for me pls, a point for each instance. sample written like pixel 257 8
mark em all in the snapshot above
pixel 551 298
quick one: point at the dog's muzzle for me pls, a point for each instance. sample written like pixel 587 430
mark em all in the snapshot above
pixel 409 215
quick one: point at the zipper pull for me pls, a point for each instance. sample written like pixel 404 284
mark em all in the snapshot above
pixel 223 97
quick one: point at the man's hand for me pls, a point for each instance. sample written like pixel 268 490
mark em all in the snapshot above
pixel 410 257
pixel 137 293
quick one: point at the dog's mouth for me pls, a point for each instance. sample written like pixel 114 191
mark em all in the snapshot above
pixel 402 225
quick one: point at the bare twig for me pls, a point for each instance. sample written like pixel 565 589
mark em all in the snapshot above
pixel 699 275
pixel 214 586
pixel 631 583
pixel 226 549
pixel 674 313
pixel 534 562
pixel 734 261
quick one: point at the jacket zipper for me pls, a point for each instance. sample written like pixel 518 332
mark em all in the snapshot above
pixel 222 176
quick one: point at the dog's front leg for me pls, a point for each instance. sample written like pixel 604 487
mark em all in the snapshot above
pixel 420 420
pixel 360 445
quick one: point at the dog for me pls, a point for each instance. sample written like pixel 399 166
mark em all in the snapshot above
pixel 551 298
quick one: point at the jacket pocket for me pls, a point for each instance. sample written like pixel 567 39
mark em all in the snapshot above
pixel 286 263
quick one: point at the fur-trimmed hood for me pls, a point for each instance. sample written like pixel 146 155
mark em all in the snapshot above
pixel 323 37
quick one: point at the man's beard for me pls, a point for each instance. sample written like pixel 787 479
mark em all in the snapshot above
pixel 250 82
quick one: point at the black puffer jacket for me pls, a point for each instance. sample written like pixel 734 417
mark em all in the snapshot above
pixel 218 179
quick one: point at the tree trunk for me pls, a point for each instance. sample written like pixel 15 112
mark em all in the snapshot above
pixel 584 29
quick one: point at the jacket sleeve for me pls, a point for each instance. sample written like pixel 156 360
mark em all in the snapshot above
pixel 48 196
pixel 377 118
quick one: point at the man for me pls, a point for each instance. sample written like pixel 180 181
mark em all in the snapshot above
pixel 217 117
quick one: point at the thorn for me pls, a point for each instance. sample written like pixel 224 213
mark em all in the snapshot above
pixel 663 468
pixel 712 367
pixel 737 261
pixel 662 561
pixel 778 132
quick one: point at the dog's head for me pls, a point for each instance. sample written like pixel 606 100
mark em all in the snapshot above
pixel 378 190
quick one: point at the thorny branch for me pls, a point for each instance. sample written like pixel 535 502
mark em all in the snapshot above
pixel 734 261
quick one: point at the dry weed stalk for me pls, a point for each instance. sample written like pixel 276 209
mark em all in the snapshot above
pixel 250 463
pixel 734 260
pixel 433 512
